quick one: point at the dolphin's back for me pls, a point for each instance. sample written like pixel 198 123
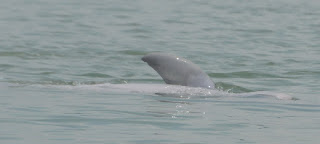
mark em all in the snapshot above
pixel 178 71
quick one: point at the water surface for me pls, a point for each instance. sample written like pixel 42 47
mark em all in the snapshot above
pixel 48 49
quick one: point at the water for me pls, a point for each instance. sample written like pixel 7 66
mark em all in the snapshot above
pixel 55 55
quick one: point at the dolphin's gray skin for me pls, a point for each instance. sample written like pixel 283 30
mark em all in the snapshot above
pixel 178 71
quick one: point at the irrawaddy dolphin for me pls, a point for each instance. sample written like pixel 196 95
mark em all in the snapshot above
pixel 178 71
pixel 175 70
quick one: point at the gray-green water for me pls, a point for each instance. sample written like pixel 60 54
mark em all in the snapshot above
pixel 55 55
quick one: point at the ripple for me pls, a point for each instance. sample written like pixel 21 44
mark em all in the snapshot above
pixel 173 21
pixel 295 73
pixel 133 52
pixel 96 75
pixel 271 107
pixel 231 88
pixel 258 31
pixel 31 55
pixel 131 24
pixel 6 66
pixel 10 138
pixel 54 82
pixel 12 53
pixel 73 120
pixel 137 30
pixel 243 74
pixel 121 16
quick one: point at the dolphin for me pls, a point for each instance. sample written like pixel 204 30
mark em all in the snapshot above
pixel 178 71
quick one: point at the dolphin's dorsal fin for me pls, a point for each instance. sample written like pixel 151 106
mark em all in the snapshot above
pixel 178 71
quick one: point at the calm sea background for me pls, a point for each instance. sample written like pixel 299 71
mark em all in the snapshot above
pixel 48 48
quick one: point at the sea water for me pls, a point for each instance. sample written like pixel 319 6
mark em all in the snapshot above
pixel 56 55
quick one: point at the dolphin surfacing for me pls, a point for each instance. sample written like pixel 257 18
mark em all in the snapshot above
pixel 178 71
